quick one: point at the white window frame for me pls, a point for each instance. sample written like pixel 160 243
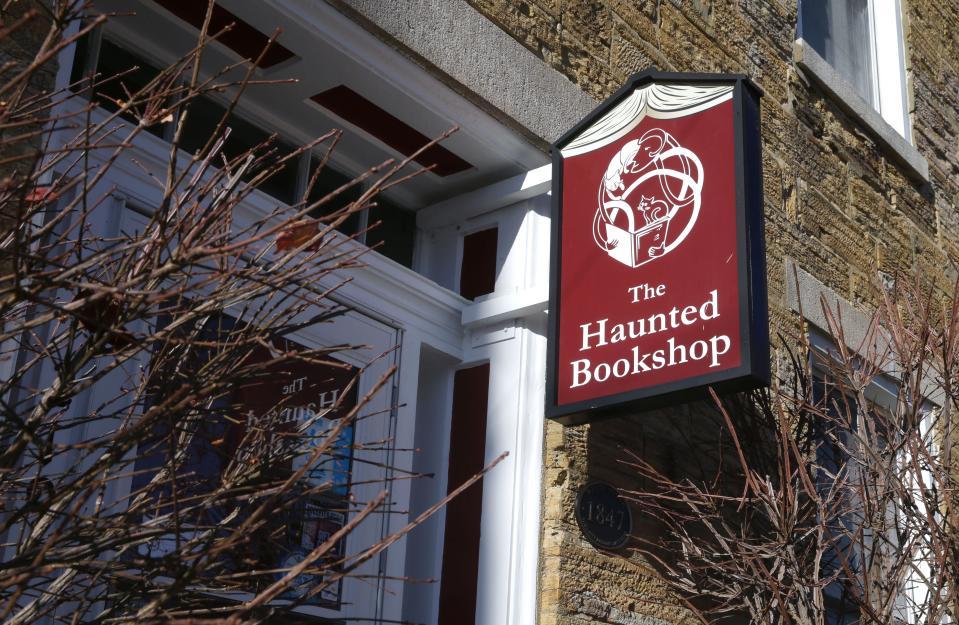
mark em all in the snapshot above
pixel 886 62
pixel 889 66
pixel 915 590
pixel 888 120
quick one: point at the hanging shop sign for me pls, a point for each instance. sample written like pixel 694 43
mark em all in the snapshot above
pixel 658 287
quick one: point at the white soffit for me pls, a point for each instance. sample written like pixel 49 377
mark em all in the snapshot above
pixel 331 50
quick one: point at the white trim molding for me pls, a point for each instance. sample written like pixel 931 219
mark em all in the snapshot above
pixel 486 200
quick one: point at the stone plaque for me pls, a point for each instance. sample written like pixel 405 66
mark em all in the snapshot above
pixel 602 516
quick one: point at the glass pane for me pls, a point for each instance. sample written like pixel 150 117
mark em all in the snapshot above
pixel 136 74
pixel 394 232
pixel 202 116
pixel 284 396
pixel 839 31
pixel 282 184
pixel 834 438
pixel 328 181
pixel 202 119
pixel 81 54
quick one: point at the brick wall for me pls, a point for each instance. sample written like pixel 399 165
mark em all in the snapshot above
pixel 834 202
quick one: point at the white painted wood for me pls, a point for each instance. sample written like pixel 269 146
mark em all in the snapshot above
pixel 418 310
pixel 331 50
pixel 890 67
pixel 475 203
pixel 521 304
pixel 509 550
pixel 423 555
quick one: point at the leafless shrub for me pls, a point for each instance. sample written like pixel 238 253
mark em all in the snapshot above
pixel 109 512
pixel 833 497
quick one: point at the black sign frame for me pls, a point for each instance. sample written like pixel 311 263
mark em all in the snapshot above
pixel 754 370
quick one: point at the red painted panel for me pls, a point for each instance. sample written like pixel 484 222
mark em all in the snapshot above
pixel 649 292
pixel 462 536
pixel 478 271
pixel 242 38
pixel 389 129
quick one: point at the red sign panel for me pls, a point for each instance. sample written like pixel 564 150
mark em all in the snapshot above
pixel 657 264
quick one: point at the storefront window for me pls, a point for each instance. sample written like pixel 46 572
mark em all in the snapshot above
pixel 285 410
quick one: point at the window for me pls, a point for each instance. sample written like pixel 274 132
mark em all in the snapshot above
pixel 121 73
pixel 130 73
pixel 386 227
pixel 392 228
pixel 863 42
pixel 835 436
pixel 327 181
pixel 202 120
pixel 283 397
pixel 257 414
pixel 392 231
pixel 861 456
